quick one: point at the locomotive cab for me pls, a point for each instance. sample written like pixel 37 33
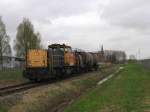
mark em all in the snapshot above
pixel 61 58
pixel 62 55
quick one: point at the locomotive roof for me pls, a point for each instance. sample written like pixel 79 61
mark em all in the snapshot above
pixel 58 45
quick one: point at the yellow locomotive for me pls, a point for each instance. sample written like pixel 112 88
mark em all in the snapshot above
pixel 36 58
pixel 58 60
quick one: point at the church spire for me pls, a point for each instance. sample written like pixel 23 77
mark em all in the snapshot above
pixel 102 50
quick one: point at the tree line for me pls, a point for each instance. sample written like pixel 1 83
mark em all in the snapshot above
pixel 26 38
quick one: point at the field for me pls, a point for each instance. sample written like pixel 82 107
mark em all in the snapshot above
pixel 9 77
pixel 129 91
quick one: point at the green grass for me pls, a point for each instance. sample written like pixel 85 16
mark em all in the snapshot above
pixel 129 91
pixel 3 108
pixel 11 75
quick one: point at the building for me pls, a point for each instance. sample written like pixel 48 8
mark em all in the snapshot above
pixel 10 62
pixel 114 56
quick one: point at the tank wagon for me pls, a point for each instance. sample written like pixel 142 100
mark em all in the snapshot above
pixel 58 60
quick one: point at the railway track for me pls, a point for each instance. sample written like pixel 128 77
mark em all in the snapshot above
pixel 17 88
pixel 28 85
pixel 25 86
pixel 4 91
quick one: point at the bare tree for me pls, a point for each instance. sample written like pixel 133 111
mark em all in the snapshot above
pixel 5 49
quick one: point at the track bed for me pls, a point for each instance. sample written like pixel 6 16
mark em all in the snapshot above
pixel 55 95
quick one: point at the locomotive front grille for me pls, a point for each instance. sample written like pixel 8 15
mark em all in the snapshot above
pixel 58 60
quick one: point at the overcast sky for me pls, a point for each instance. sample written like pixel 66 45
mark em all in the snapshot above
pixel 85 24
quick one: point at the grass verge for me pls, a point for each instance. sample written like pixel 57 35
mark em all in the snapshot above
pixel 128 92
pixel 11 75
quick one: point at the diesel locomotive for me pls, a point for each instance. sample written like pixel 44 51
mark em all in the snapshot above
pixel 56 61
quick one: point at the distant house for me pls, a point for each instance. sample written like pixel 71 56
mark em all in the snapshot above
pixel 114 56
pixel 12 62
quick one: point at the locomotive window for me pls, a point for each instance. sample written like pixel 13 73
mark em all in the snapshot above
pixel 67 49
pixel 54 49
pixel 62 49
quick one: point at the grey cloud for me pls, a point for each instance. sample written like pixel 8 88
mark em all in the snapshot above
pixel 55 8
pixel 40 10
pixel 130 14
pixel 120 24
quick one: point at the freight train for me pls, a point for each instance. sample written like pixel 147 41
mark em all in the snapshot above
pixel 58 60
